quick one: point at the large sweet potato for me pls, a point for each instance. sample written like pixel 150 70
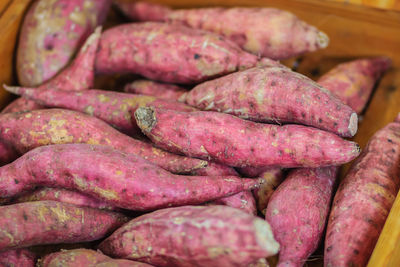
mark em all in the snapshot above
pixel 159 90
pixel 25 131
pixel 85 258
pixel 240 143
pixel 193 236
pixel 275 94
pixel 297 212
pixel 122 180
pixel 51 222
pixel 363 201
pixel 51 33
pixel 169 53
pixel 269 32
pixel 17 258
pixel 353 81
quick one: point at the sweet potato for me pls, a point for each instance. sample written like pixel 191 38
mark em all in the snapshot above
pixel 21 104
pixel 269 32
pixel 243 200
pixel 252 172
pixel 51 34
pixel 260 263
pixel 7 153
pixel 272 179
pixel 297 212
pixel 239 143
pixel 275 94
pixel 17 258
pixel 85 258
pixel 215 169
pixel 353 81
pixel 52 222
pixel 109 106
pixel 25 131
pixel 169 53
pixel 363 200
pixel 159 90
pixel 122 180
pixel 208 236
pixel 62 195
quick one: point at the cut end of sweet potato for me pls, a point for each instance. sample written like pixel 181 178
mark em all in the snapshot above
pixel 322 40
pixel 353 124
pixel 265 237
pixel 145 118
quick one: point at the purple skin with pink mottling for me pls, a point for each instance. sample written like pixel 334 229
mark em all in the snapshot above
pixel 85 258
pixel 208 236
pixel 363 201
pixel 17 257
pixel 297 212
pixel 51 33
pixel 170 53
pixel 122 180
pixel 159 90
pixel 51 222
pixel 112 107
pixel 268 32
pixel 275 94
pixel 353 81
pixel 239 143
pixel 28 130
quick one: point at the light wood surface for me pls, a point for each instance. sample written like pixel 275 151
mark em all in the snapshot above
pixel 385 4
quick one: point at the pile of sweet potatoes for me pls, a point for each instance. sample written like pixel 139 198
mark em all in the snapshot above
pixel 223 157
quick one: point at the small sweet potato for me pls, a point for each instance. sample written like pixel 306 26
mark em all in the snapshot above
pixel 243 200
pixel 159 90
pixel 169 53
pixel 272 179
pixel 51 34
pixel 112 107
pixel 193 236
pixel 297 212
pixel 85 258
pixel 122 180
pixel 252 172
pixel 215 169
pixel 28 130
pixel 269 32
pixel 363 201
pixel 17 258
pixel 62 195
pixel 353 81
pixel 239 143
pixel 275 94
pixel 51 222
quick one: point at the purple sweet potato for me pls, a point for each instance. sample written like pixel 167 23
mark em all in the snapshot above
pixel 7 153
pixel 51 222
pixel 62 195
pixel 252 172
pixel 239 143
pixel 269 32
pixel 243 200
pixel 272 179
pixel 85 258
pixel 170 53
pixel 122 180
pixel 25 131
pixel 21 104
pixel 193 236
pixel 275 94
pixel 17 258
pixel 215 169
pixel 297 212
pixel 159 90
pixel 353 81
pixel 112 107
pixel 51 34
pixel 363 201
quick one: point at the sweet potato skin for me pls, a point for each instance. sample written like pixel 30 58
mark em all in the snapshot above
pixel 62 195
pixel 297 212
pixel 17 257
pixel 85 258
pixel 186 55
pixel 364 199
pixel 21 104
pixel 152 88
pixel 7 153
pixel 353 81
pixel 51 33
pixel 25 131
pixel 268 32
pixel 239 143
pixel 51 222
pixel 122 180
pixel 210 236
pixel 275 94
pixel 243 200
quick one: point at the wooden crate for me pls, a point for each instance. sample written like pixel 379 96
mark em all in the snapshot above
pixel 355 31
